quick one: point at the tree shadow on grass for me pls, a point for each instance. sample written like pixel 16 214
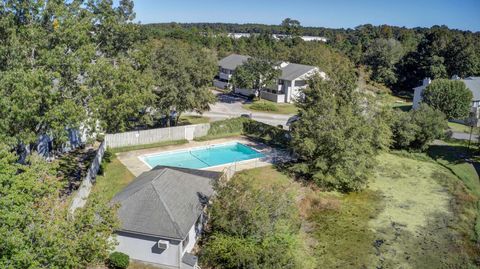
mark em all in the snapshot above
pixel 454 154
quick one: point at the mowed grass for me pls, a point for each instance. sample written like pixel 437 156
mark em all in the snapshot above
pixel 114 179
pixel 148 146
pixel 271 107
pixel 192 119
pixel 462 128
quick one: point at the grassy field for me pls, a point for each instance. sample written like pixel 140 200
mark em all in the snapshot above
pixel 271 107
pixel 414 214
pixel 115 178
pixel 147 146
pixel 461 128
pixel 192 119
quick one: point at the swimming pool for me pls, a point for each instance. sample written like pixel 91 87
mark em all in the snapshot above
pixel 203 157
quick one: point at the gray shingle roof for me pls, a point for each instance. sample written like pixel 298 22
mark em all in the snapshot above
pixel 232 61
pixel 293 71
pixel 473 83
pixel 165 201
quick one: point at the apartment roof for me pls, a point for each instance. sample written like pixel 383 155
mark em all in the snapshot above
pixel 232 61
pixel 293 71
pixel 165 201
pixel 473 83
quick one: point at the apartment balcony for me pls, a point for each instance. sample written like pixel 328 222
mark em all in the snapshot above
pixel 277 95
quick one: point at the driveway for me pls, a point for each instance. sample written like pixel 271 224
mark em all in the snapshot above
pixel 230 106
pixel 464 136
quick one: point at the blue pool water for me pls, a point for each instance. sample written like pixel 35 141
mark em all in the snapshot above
pixel 204 157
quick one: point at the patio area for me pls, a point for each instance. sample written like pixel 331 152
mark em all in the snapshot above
pixel 135 165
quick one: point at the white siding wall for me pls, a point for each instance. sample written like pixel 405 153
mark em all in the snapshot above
pixel 279 98
pixel 145 249
pixel 192 239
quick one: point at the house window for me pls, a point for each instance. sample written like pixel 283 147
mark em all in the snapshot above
pixel 300 83
pixel 281 82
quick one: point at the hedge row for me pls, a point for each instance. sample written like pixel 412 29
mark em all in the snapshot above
pixel 243 126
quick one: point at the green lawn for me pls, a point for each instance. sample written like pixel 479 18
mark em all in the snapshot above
pixel 271 107
pixel 461 128
pixel 147 146
pixel 115 178
pixel 188 120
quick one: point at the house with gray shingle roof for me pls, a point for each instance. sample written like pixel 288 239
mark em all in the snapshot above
pixel 292 80
pixel 472 83
pixel 161 215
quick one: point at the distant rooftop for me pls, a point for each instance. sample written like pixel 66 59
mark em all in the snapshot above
pixel 279 36
pixel 165 201
pixel 232 61
pixel 292 71
pixel 473 83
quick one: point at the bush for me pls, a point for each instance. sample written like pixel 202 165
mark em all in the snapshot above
pixel 266 133
pixel 264 106
pixel 452 97
pixel 237 126
pixel 223 128
pixel 418 128
pixel 118 260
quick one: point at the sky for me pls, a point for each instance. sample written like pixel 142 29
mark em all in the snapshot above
pixel 457 14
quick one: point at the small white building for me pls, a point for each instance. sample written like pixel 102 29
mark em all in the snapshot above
pixel 472 83
pixel 288 86
pixel 162 214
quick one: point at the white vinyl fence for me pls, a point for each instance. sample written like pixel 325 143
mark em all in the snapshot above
pixel 82 194
pixel 142 137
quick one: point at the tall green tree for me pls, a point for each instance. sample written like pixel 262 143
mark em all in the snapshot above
pixel 337 135
pixel 382 56
pixel 182 75
pixel 47 51
pixel 256 73
pixel 35 228
pixel 452 97
pixel 291 27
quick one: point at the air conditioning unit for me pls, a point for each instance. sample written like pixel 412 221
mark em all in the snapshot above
pixel 163 244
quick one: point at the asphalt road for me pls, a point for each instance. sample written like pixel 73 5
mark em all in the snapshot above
pixel 230 106
pixel 464 136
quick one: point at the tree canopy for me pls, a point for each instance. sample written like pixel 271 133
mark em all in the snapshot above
pixel 182 75
pixel 452 97
pixel 35 228
pixel 416 129
pixel 256 73
pixel 253 228
pixel 337 135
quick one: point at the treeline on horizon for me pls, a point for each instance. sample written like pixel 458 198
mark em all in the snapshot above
pixel 397 57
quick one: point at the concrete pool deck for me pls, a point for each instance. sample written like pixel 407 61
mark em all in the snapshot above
pixel 131 159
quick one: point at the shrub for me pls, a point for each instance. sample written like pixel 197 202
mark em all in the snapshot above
pixel 118 260
pixel 223 128
pixel 418 128
pixel 266 133
pixel 452 97
pixel 264 106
